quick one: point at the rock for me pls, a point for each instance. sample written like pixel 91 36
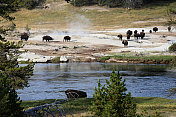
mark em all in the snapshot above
pixel 63 59
pixel 22 59
pixel 75 93
pixel 40 60
pixel 35 57
pixel 113 60
pixel 88 59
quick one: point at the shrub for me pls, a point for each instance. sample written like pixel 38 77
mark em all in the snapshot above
pixel 55 60
pixel 30 4
pixel 111 100
pixel 82 2
pixel 172 48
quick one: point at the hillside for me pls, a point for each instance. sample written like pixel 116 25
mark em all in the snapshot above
pixel 60 14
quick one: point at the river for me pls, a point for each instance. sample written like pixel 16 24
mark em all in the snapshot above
pixel 142 80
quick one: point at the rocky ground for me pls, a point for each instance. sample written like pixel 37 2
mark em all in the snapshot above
pixel 88 46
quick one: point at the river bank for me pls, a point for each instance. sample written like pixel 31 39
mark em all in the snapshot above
pixel 80 107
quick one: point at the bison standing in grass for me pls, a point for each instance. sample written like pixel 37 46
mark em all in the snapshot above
pixel 24 36
pixel 47 38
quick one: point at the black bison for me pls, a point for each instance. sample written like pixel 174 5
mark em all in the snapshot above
pixel 169 28
pixel 137 35
pixel 142 34
pixel 67 38
pixel 75 93
pixel 125 42
pixel 47 38
pixel 24 36
pixel 67 1
pixel 120 36
pixel 150 31
pixel 155 29
pixel 129 33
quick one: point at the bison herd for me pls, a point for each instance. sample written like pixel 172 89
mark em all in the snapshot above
pixel 137 35
pixel 47 38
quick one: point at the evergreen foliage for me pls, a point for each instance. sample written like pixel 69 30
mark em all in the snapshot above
pixel 111 100
pixel 9 101
pixel 12 75
pixel 17 75
pixel 30 4
pixel 114 3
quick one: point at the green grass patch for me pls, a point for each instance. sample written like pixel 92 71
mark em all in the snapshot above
pixel 56 60
pixel 149 105
pixel 130 57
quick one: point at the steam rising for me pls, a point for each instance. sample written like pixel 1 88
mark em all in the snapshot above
pixel 79 24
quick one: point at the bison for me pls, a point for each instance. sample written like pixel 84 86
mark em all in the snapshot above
pixel 137 35
pixel 24 36
pixel 155 29
pixel 120 36
pixel 75 93
pixel 150 31
pixel 67 38
pixel 129 33
pixel 47 38
pixel 169 28
pixel 125 42
pixel 67 1
pixel 142 34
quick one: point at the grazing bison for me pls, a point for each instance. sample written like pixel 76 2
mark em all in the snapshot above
pixel 155 29
pixel 75 93
pixel 47 38
pixel 67 38
pixel 120 36
pixel 24 36
pixel 125 42
pixel 129 33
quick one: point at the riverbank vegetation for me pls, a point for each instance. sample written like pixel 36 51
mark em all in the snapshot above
pixel 139 58
pixel 145 105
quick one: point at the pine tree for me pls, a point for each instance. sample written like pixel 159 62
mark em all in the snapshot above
pixel 111 99
pixel 9 101
pixel 12 75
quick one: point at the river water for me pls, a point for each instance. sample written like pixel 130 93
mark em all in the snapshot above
pixel 142 80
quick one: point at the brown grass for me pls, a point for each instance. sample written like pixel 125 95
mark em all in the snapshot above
pixel 60 14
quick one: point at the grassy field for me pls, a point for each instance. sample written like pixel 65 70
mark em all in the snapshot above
pixel 60 14
pixel 145 105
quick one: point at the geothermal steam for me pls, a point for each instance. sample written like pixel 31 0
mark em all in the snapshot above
pixel 79 24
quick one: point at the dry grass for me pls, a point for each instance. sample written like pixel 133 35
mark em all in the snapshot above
pixel 60 14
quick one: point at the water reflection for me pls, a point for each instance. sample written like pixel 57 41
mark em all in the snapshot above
pixel 51 80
